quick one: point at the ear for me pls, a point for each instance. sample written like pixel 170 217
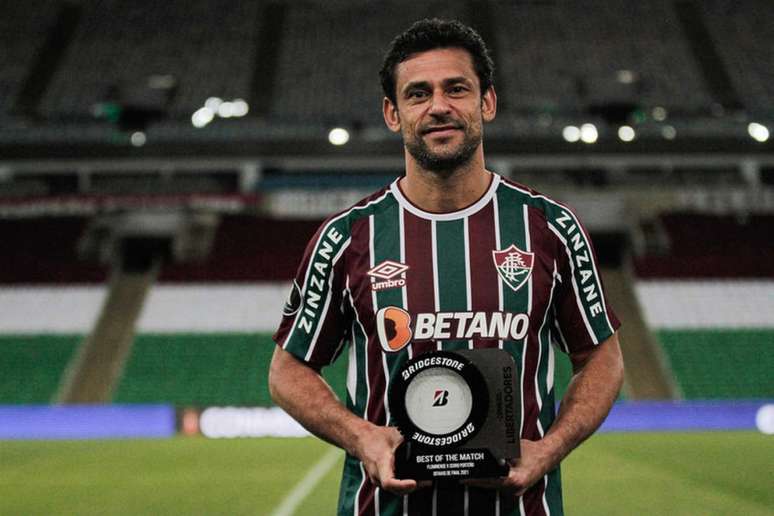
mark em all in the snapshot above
pixel 489 104
pixel 391 116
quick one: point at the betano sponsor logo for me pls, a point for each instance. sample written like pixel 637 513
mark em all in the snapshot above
pixel 583 262
pixel 321 262
pixel 383 275
pixel 396 328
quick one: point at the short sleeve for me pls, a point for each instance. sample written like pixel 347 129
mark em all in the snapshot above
pixel 583 318
pixel 313 323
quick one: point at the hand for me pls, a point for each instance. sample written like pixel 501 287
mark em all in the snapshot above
pixel 376 449
pixel 534 463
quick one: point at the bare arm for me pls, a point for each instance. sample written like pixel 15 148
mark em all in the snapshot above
pixel 597 379
pixel 305 395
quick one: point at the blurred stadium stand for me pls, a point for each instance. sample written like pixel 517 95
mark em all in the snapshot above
pixel 701 70
pixel 708 294
pixel 743 32
pixel 104 117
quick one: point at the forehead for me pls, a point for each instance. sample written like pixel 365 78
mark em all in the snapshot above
pixel 434 66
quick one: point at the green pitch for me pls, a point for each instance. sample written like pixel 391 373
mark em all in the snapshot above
pixel 677 473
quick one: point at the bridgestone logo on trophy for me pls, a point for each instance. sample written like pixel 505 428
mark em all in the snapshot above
pixel 457 411
pixel 441 398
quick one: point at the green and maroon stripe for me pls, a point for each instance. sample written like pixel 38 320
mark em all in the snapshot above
pixel 449 280
pixel 419 258
pixel 387 243
pixel 484 280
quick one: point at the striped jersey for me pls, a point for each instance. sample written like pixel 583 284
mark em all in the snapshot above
pixel 385 281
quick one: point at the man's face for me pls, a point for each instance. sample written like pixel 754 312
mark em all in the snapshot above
pixel 439 109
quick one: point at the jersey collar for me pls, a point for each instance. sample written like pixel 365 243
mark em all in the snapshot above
pixel 452 215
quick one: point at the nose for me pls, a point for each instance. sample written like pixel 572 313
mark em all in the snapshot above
pixel 439 105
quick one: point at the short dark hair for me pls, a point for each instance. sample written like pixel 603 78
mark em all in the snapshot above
pixel 429 34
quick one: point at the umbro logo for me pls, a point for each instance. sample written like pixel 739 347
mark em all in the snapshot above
pixel 385 275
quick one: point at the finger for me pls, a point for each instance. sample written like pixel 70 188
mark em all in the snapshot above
pixel 387 480
pixel 399 487
pixel 396 436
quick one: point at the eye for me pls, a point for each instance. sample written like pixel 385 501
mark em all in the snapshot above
pixel 458 89
pixel 416 94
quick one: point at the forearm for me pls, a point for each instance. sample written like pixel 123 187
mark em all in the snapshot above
pixel 307 397
pixel 587 401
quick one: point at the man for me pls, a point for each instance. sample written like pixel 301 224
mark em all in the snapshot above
pixel 448 237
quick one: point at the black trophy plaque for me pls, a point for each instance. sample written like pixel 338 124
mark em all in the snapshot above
pixel 458 412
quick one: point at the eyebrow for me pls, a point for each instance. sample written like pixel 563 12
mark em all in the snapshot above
pixel 426 85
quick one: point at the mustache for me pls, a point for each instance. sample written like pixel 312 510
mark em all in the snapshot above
pixel 450 124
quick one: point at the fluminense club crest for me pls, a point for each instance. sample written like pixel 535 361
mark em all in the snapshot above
pixel 513 265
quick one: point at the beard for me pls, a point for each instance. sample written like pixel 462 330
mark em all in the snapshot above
pixel 445 161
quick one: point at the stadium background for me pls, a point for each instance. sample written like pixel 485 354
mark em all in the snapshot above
pixel 162 165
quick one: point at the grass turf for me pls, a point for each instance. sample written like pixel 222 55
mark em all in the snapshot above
pixel 649 473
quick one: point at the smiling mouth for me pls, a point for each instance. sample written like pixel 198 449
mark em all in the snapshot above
pixel 446 129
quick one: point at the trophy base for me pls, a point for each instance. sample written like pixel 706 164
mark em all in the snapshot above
pixel 419 463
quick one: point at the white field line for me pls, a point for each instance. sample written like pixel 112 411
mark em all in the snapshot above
pixel 305 486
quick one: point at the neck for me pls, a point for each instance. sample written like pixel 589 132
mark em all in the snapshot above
pixel 443 192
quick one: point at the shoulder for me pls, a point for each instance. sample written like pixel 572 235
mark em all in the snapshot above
pixel 548 208
pixel 343 221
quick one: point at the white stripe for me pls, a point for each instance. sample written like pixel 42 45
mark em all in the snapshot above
pixel 352 368
pixel 468 292
pixel 371 258
pixel 498 246
pixel 307 484
pixel 522 512
pixel 521 398
pixel 435 500
pixel 374 302
pixel 386 390
pixel 355 505
pixel 328 296
pixel 365 354
pixel 578 298
pixel 528 248
pixel 540 351
pixel 497 504
pixel 404 288
pixel 376 501
pixel 362 470
pixel 551 368
pixel 467 501
pixel 525 345
pixel 405 505
pixel 559 336
pixel 465 212
pixel 549 377
pixel 597 277
pixel 338 348
pixel 545 501
pixel 368 392
pixel 436 292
